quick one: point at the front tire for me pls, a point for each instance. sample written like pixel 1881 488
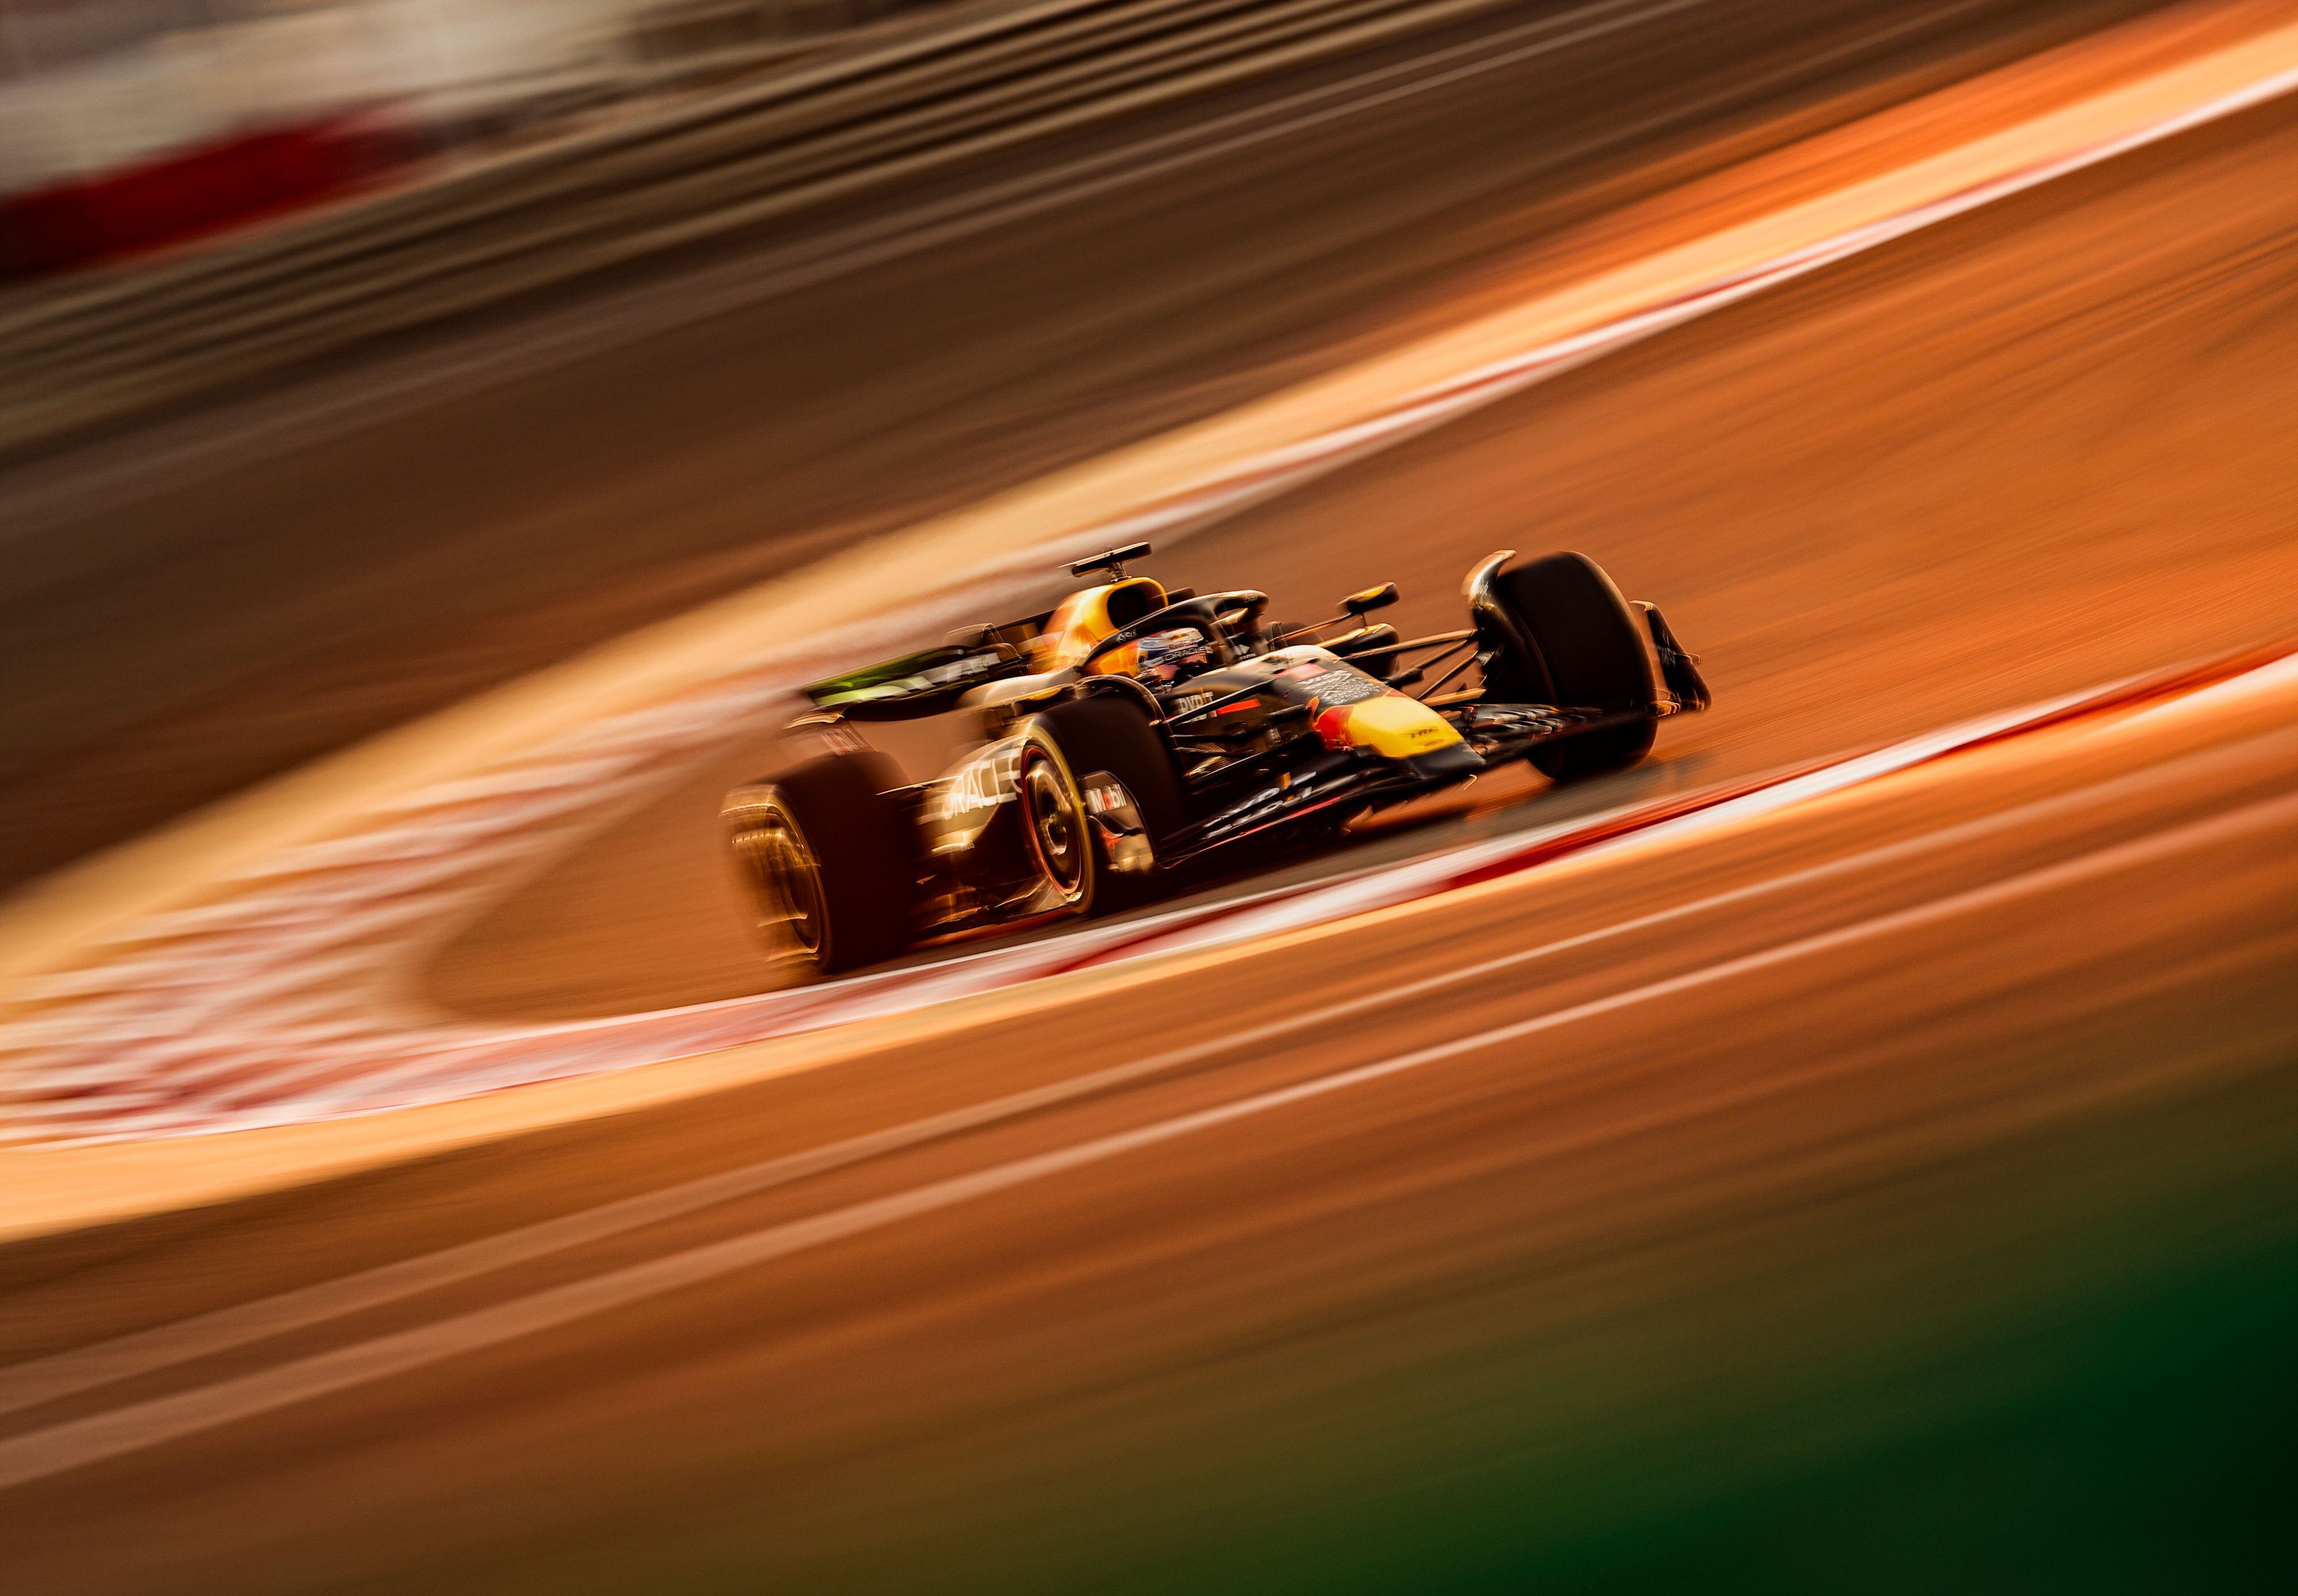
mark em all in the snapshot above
pixel 827 860
pixel 1570 639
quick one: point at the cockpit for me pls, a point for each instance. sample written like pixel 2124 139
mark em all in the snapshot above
pixel 1169 657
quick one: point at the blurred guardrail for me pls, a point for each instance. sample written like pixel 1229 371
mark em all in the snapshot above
pixel 76 354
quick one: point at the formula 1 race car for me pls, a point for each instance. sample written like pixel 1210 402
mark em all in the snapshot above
pixel 1130 730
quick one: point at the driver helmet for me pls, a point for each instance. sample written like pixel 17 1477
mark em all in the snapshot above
pixel 1173 656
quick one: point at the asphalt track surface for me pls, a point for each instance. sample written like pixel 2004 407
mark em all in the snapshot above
pixel 1815 1203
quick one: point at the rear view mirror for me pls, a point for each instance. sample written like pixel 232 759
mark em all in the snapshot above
pixel 1371 598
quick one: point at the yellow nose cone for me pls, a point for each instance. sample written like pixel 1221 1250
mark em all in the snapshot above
pixel 1392 726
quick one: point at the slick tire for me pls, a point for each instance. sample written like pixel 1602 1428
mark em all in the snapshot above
pixel 827 859
pixel 1067 743
pixel 1587 651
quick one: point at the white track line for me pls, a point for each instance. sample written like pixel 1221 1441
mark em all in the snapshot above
pixel 74 1443
pixel 64 1374
pixel 46 1379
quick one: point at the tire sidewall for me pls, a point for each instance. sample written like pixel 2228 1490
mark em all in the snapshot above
pixel 789 915
pixel 1104 732
pixel 858 848
pixel 1041 752
pixel 1587 650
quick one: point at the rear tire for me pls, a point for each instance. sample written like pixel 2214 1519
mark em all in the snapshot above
pixel 1587 650
pixel 1069 742
pixel 828 860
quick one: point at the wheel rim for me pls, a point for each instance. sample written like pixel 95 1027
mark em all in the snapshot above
pixel 1057 832
pixel 787 881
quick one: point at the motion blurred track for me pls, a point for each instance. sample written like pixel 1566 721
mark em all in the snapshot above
pixel 2000 1046
pixel 2013 460
pixel 1610 1174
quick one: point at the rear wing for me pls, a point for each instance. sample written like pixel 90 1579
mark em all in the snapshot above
pixel 916 685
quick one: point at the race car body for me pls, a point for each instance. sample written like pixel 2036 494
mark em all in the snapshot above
pixel 1130 730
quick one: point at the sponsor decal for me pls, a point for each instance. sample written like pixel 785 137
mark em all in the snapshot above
pixel 982 785
pixel 1384 722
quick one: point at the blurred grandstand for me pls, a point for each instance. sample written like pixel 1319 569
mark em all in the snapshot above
pixel 126 124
